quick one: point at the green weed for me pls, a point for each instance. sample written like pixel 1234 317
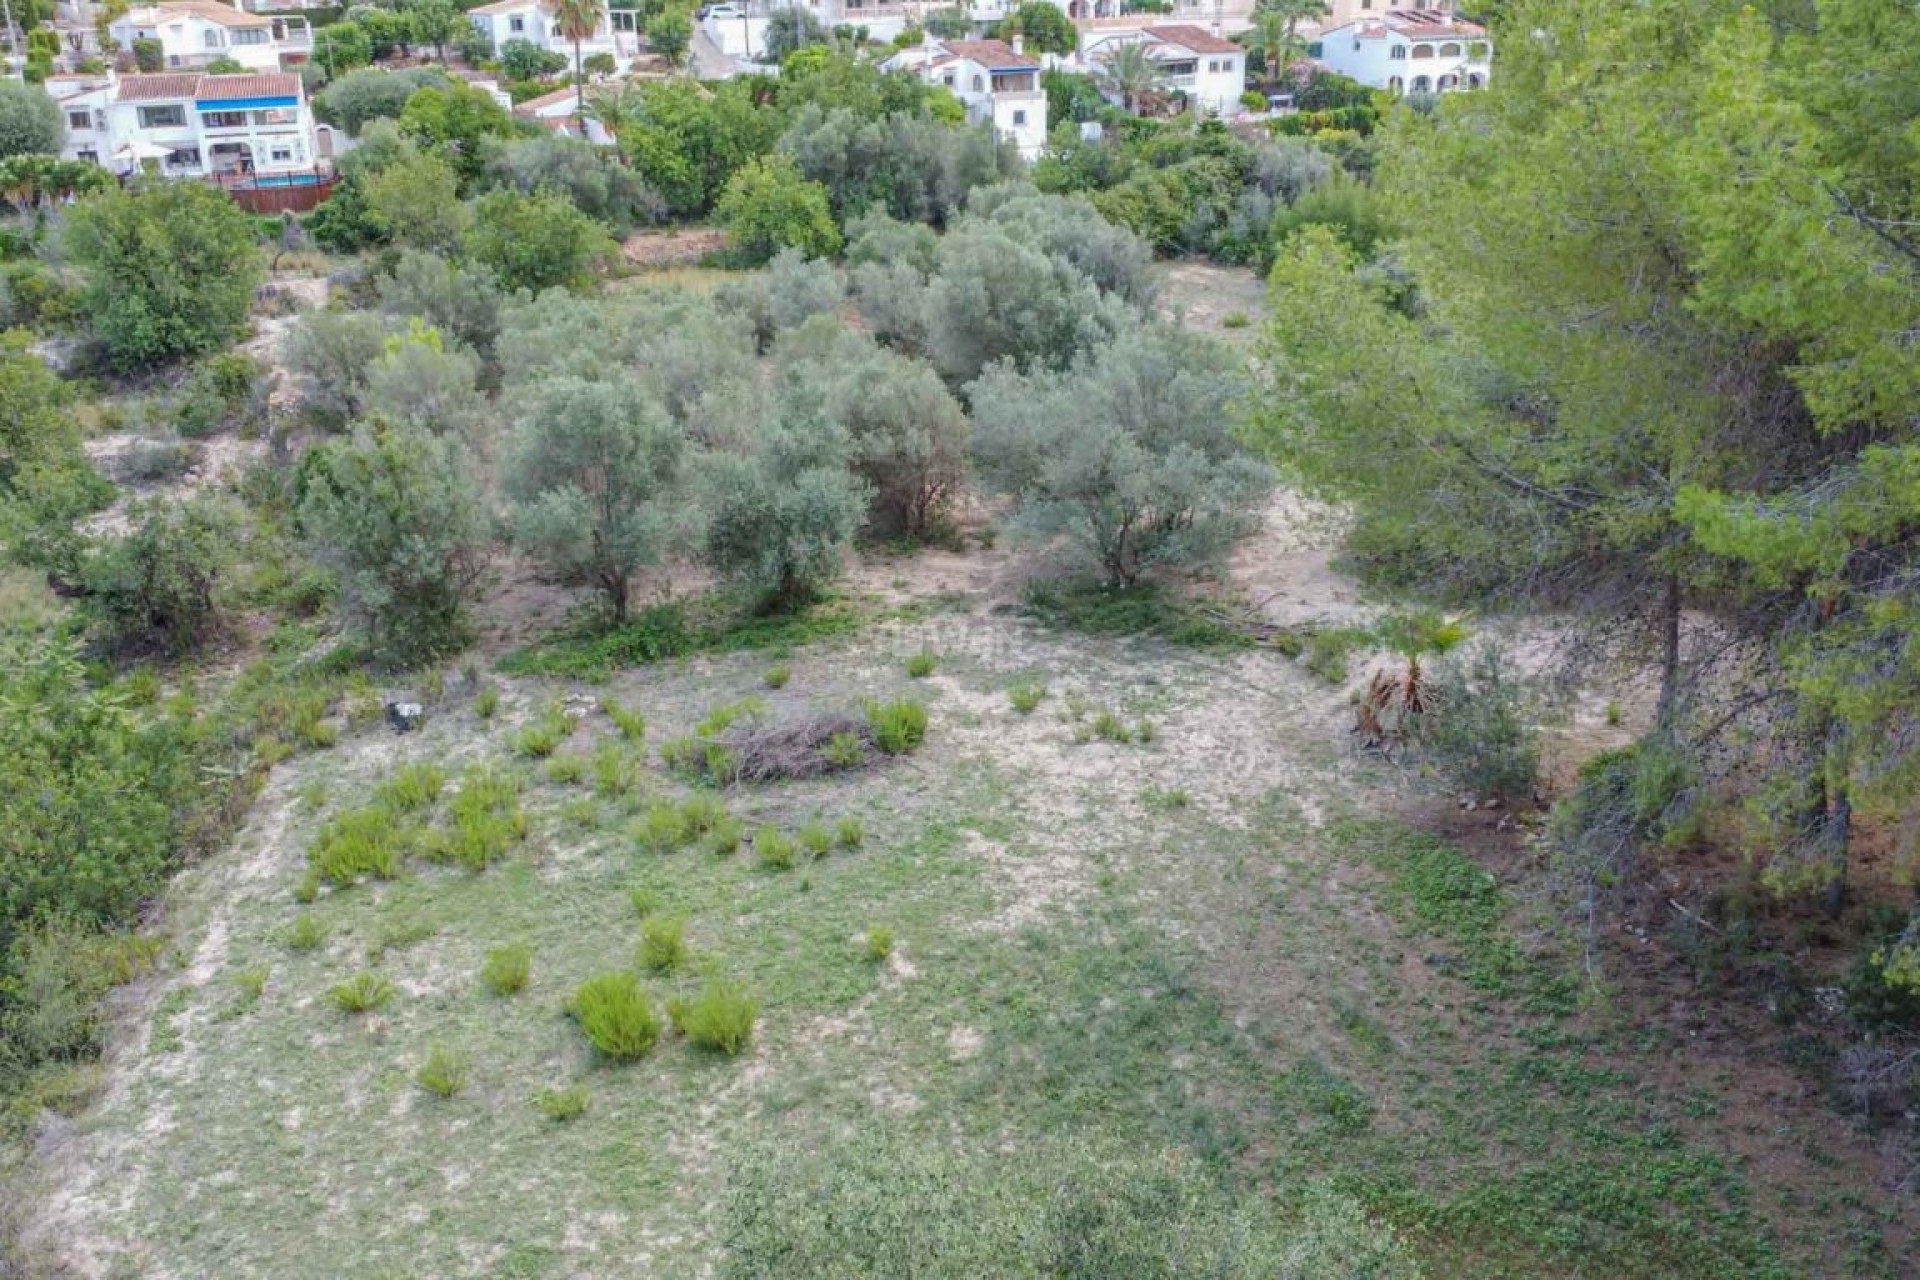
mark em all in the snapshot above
pixel 775 850
pixel 507 969
pixel 486 702
pixel 815 837
pixel 898 727
pixel 848 833
pixel 645 901
pixel 616 1016
pixel 360 842
pixel 663 944
pixel 632 724
pixel 613 771
pixel 444 1073
pixel 921 665
pixel 362 993
pixel 1025 697
pixel 1109 727
pixel 306 933
pixel 721 1017
pixel 664 828
pixel 702 811
pixel 566 769
pixel 726 836
pixel 411 789
pixel 845 751
pixel 1165 799
pixel 777 677
pixel 562 1105
pixel 877 943
pixel 544 736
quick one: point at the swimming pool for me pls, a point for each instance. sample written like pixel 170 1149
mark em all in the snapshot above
pixel 259 181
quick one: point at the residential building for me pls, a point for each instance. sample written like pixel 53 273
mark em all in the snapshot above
pixel 1341 13
pixel 242 129
pixel 193 33
pixel 558 111
pixel 1210 71
pixel 997 82
pixel 618 31
pixel 1409 51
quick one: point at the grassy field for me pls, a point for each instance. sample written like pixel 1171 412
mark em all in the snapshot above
pixel 1204 939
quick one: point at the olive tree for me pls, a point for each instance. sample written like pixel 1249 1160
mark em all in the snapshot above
pixel 459 299
pixel 30 121
pixel 1130 452
pixel 396 513
pixel 331 354
pixel 907 435
pixel 423 382
pixel 593 470
pixel 778 516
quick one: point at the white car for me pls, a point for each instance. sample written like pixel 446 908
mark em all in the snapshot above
pixel 720 11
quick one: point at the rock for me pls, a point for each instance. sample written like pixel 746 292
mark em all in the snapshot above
pixel 405 717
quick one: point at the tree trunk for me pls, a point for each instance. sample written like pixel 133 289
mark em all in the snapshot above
pixel 616 585
pixel 579 92
pixel 1669 653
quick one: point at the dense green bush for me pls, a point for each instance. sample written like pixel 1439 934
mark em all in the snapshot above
pixel 536 242
pixel 1131 453
pixel 596 184
pixel 898 727
pixel 1477 730
pixel 768 206
pixel 397 515
pixel 721 1017
pixel 778 517
pixel 616 1016
pixel 372 94
pixel 170 269
pixel 30 121
pixel 155 588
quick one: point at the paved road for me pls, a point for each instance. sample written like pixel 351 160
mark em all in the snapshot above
pixel 704 56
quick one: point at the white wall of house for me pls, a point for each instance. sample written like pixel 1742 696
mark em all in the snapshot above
pixel 190 38
pixel 1209 69
pixel 206 124
pixel 618 32
pixel 1446 58
pixel 995 82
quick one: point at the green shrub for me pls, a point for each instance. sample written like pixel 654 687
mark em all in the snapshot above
pixel 486 702
pixel 1109 727
pixel 663 945
pixel 613 771
pixel 1235 320
pixel 815 837
pixel 721 1017
pixel 544 736
pixel 413 788
pixel 632 725
pixel 848 833
pixel 362 993
pixel 562 1105
pixel 898 727
pixel 777 677
pixel 444 1073
pixel 878 943
pixel 726 836
pixel 399 935
pixel 615 1015
pixel 1328 651
pixel 507 969
pixel 776 851
pixel 306 933
pixel 845 750
pixel 664 828
pixel 1025 697
pixel 1476 731
pixel 921 665
pixel 487 821
pixel 360 842
pixel 566 769
pixel 252 984
pixel 702 812
pixel 645 901
pixel 1145 731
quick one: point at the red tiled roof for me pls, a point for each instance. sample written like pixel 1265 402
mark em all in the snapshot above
pixel 212 10
pixel 172 84
pixel 266 84
pixel 533 105
pixel 995 54
pixel 1193 38
pixel 506 6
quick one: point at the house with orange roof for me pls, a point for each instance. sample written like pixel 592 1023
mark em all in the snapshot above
pixel 193 33
pixel 996 82
pixel 253 129
pixel 1409 51
pixel 1208 70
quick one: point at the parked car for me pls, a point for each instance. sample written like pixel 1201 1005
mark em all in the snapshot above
pixel 720 11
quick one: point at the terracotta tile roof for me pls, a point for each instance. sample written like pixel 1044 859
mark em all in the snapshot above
pixel 269 84
pixel 194 84
pixel 172 84
pixel 532 106
pixel 995 54
pixel 505 6
pixel 1193 38
pixel 212 11
pixel 1416 24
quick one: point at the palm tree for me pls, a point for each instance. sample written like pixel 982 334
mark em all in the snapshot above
pixel 1277 21
pixel 618 105
pixel 577 20
pixel 1133 74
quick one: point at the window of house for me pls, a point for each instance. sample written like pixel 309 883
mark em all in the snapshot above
pixel 1366 4
pixel 80 120
pixel 947 79
pixel 282 155
pixel 1399 51
pixel 278 115
pixel 87 154
pixel 978 84
pixel 516 24
pixel 184 158
pixel 250 37
pixel 212 39
pixel 1019 118
pixel 173 117
pixel 223 119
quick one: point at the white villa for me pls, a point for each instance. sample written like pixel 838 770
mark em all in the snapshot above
pixel 558 112
pixel 618 33
pixel 1410 51
pixel 234 127
pixel 996 82
pixel 1212 72
pixel 193 33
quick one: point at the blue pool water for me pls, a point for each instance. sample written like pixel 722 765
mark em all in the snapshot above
pixel 283 180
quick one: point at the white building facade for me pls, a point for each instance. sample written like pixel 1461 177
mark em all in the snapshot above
pixel 1209 70
pixel 193 33
pixel 237 128
pixel 618 31
pixel 994 81
pixel 1410 51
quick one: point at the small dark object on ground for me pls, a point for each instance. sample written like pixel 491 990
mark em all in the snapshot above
pixel 405 717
